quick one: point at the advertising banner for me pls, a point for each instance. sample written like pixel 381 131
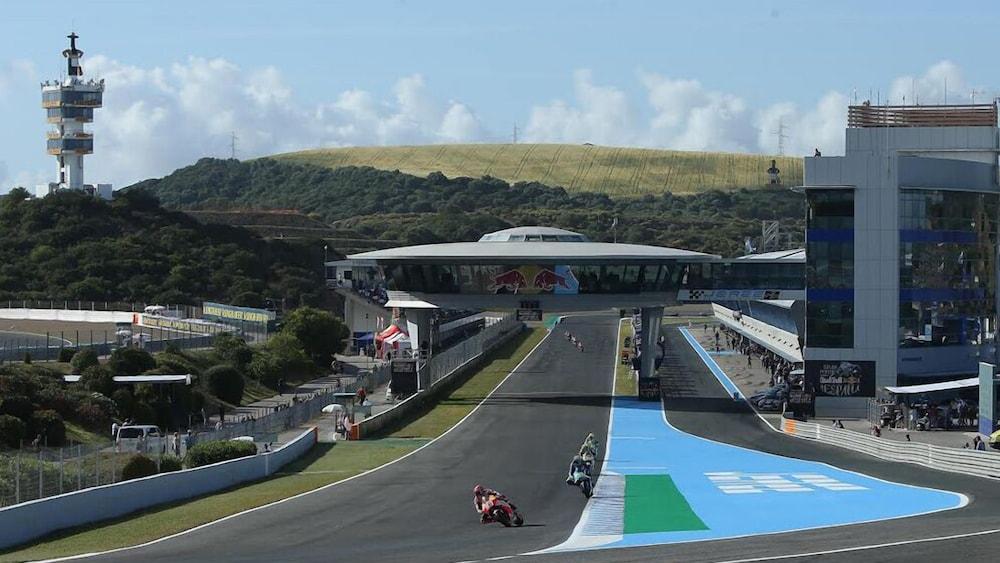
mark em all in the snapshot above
pixel 523 280
pixel 404 376
pixel 185 325
pixel 231 313
pixel 840 378
pixel 529 314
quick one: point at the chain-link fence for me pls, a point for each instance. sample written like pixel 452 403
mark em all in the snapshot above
pixel 34 473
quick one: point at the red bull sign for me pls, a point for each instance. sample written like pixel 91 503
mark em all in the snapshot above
pixel 527 280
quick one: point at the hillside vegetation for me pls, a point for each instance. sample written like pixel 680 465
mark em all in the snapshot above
pixel 386 205
pixel 72 246
pixel 614 171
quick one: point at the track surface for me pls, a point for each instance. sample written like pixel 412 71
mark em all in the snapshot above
pixel 697 404
pixel 420 509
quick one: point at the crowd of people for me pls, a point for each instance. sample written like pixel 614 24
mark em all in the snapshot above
pixel 373 292
pixel 779 368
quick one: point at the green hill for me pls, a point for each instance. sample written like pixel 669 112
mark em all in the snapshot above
pixel 614 171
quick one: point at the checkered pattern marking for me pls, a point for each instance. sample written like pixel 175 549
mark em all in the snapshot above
pixel 736 483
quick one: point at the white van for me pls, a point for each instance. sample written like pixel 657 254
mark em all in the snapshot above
pixel 141 438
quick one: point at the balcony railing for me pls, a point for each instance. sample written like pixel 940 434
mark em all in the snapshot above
pixel 969 115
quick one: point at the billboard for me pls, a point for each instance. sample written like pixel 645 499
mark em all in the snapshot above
pixel 233 314
pixel 840 378
pixel 185 325
pixel 649 388
pixel 404 376
pixel 523 280
pixel 529 315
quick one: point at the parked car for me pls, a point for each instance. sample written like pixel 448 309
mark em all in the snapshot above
pixel 142 438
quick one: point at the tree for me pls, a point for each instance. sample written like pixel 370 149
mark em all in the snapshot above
pixel 130 361
pixel 98 379
pixel 233 350
pixel 84 359
pixel 226 383
pixel 322 335
pixel 12 430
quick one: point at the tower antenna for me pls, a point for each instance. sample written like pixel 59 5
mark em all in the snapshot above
pixel 780 133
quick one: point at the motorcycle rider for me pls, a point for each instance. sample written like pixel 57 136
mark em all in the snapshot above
pixel 578 465
pixel 481 497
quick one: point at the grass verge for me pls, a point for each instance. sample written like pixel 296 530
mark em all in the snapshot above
pixel 625 382
pixel 325 464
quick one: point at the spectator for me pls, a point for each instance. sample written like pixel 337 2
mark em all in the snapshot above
pixel 114 430
pixel 218 425
pixel 172 442
pixel 361 395
pixel 177 444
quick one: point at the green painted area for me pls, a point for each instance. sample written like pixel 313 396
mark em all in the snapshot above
pixel 551 321
pixel 653 504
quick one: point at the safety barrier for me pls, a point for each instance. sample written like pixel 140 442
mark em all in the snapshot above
pixel 443 381
pixel 67 315
pixel 30 520
pixel 969 462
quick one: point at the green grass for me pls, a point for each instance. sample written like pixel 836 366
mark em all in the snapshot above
pixel 461 401
pixel 325 464
pixel 625 384
pixel 255 391
pixel 612 170
pixel 79 435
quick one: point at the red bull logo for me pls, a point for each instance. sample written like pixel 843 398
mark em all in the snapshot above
pixel 510 281
pixel 546 280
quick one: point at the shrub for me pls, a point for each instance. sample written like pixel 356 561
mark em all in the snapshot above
pixel 207 453
pixel 12 430
pixel 98 379
pixel 138 466
pixel 83 359
pixel 123 401
pixel 130 361
pixel 91 415
pixel 27 357
pixel 226 383
pixel 322 335
pixel 169 463
pixel 17 405
pixel 233 350
pixel 57 399
pixel 143 413
pixel 49 425
pixel 66 355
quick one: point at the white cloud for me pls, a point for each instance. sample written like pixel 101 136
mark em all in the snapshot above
pixel 943 82
pixel 603 116
pixel 16 74
pixel 155 120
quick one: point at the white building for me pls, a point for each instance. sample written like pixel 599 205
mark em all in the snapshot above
pixel 69 105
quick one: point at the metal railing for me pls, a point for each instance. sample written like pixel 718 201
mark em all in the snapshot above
pixel 35 473
pixel 968 462
pixel 446 362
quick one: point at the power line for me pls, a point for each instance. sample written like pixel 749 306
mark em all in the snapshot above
pixel 780 133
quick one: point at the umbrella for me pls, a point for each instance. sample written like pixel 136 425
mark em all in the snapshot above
pixel 332 408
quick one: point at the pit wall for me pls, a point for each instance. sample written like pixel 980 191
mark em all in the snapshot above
pixel 438 390
pixel 68 315
pixel 31 520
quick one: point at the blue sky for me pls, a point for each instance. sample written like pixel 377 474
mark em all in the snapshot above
pixel 294 74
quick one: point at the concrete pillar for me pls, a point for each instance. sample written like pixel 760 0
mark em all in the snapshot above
pixel 649 383
pixel 418 327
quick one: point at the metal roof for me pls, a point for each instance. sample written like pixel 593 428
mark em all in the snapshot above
pixel 531 250
pixel 797 255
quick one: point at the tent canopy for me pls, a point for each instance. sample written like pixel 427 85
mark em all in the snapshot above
pixel 930 387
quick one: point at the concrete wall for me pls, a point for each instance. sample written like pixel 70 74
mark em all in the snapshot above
pixel 30 520
pixel 439 389
pixel 68 315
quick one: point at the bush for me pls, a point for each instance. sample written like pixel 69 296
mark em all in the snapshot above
pixel 138 466
pixel 12 430
pixel 83 359
pixel 123 401
pixel 283 355
pixel 143 413
pixel 66 355
pixel 130 361
pixel 170 463
pixel 233 350
pixel 99 380
pixel 57 399
pixel 207 453
pixel 226 383
pixel 49 425
pixel 27 358
pixel 17 405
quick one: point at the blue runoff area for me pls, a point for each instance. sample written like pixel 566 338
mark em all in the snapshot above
pixel 740 492
pixel 727 383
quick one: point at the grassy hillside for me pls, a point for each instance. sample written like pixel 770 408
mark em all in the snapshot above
pixel 611 170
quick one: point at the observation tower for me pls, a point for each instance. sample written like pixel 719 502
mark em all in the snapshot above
pixel 69 105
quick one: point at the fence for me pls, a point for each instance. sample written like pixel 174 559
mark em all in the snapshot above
pixel 451 359
pixel 968 462
pixel 41 472
pixel 31 520
pixel 14 350
pixel 110 306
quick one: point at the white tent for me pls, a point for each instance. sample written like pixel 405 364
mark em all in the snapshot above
pixel 930 387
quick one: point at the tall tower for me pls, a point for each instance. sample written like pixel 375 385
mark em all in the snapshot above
pixel 69 105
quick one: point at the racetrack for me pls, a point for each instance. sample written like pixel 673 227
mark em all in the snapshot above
pixel 520 442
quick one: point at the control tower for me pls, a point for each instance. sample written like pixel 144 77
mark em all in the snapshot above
pixel 69 105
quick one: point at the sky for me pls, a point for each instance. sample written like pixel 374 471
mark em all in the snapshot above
pixel 183 76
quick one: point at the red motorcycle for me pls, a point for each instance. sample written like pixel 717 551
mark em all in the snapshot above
pixel 499 509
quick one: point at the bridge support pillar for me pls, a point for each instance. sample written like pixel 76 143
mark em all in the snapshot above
pixel 418 326
pixel 649 382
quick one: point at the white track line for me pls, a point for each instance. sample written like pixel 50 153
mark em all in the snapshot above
pixel 324 487
pixel 861 547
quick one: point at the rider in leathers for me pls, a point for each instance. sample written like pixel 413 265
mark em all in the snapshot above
pixel 577 465
pixel 481 495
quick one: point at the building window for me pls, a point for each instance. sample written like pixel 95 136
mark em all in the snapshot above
pixel 947 267
pixel 830 269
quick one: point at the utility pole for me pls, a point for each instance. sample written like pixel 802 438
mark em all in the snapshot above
pixel 232 145
pixel 780 133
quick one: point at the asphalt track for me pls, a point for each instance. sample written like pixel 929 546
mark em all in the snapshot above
pixel 520 442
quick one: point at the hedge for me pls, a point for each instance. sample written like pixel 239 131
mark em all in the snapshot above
pixel 138 466
pixel 169 463
pixel 12 430
pixel 207 453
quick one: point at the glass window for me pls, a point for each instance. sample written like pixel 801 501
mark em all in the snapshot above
pixel 829 268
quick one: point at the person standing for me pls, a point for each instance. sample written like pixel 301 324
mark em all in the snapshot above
pixel 177 444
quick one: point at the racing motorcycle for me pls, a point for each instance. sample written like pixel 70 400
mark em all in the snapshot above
pixel 582 479
pixel 501 510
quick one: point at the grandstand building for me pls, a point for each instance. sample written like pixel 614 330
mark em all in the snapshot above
pixel 900 257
